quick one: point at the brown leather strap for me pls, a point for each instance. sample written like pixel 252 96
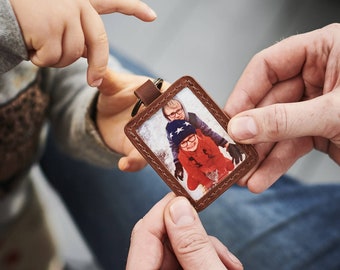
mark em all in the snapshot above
pixel 147 93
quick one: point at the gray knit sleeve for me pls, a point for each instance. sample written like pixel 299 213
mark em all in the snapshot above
pixel 12 45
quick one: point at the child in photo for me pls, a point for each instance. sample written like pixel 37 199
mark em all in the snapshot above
pixel 174 110
pixel 199 155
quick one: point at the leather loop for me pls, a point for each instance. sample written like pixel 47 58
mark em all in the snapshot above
pixel 147 93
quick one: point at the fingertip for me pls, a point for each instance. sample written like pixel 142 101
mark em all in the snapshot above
pixel 128 164
pixel 255 186
pixel 123 164
pixel 95 76
pixel 181 212
pixel 188 238
pixel 151 15
pixel 146 13
pixel 97 47
pixel 96 83
pixel 242 128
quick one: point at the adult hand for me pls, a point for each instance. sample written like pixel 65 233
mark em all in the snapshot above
pixel 171 236
pixel 115 103
pixel 287 103
pixel 57 33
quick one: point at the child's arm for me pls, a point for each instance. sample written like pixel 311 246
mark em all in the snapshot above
pixel 89 124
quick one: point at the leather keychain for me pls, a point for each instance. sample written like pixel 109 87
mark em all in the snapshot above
pixel 182 134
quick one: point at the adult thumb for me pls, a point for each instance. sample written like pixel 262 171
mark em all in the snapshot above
pixel 193 248
pixel 315 117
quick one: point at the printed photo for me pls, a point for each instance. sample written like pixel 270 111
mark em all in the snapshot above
pixel 189 141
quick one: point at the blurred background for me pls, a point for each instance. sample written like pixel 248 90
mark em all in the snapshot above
pixel 214 40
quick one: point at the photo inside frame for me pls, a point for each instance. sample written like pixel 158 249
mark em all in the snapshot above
pixel 205 162
pixel 183 135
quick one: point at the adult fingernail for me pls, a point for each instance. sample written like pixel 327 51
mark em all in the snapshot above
pixel 181 212
pixel 243 128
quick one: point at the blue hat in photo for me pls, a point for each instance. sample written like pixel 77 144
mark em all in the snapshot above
pixel 178 130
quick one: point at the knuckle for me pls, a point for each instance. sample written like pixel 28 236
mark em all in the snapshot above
pixel 333 26
pixel 46 59
pixel 102 38
pixel 78 50
pixel 329 105
pixel 98 53
pixel 97 71
pixel 276 122
pixel 192 243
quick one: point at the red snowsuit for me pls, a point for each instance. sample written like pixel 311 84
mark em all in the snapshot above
pixel 206 159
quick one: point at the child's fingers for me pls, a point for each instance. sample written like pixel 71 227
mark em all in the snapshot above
pixel 113 82
pixel 132 162
pixel 128 7
pixel 97 45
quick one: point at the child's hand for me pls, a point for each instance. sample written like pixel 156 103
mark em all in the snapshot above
pixel 115 103
pixel 58 32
